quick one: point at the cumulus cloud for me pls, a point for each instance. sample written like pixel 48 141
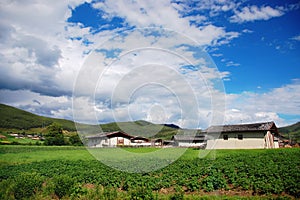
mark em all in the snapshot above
pixel 37 52
pixel 42 54
pixel 58 107
pixel 165 14
pixel 168 71
pixel 253 13
pixel 253 107
pixel 213 7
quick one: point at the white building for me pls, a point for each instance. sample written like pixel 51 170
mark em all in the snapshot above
pixel 111 139
pixel 197 141
pixel 243 136
pixel 117 139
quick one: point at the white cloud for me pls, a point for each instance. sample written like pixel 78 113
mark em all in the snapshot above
pixel 232 64
pixel 167 71
pixel 165 14
pixel 58 107
pixel 297 38
pixel 42 55
pixel 253 13
pixel 35 50
pixel 49 79
pixel 254 107
pixel 213 7
pixel 247 31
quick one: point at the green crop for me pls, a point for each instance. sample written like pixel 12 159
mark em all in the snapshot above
pixel 261 172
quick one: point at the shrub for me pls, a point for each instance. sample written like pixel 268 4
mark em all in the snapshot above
pixel 141 193
pixel 26 185
pixel 63 185
pixel 6 189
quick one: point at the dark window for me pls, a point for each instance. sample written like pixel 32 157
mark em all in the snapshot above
pixel 240 137
pixel 225 137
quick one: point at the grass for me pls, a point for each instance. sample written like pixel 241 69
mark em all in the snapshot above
pixel 10 139
pixel 17 154
pixel 26 154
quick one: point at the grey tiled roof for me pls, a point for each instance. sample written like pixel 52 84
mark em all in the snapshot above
pixel 265 126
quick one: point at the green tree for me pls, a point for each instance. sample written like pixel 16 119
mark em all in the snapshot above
pixel 75 140
pixel 55 135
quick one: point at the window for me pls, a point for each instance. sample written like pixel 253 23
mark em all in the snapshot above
pixel 240 137
pixel 225 137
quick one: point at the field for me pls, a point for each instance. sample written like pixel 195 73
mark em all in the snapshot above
pixel 40 172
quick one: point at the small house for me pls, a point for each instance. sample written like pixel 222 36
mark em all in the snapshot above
pixel 139 141
pixel 199 141
pixel 109 139
pixel 243 136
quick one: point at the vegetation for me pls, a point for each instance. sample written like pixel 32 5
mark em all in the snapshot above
pixel 55 135
pixel 143 128
pixel 291 132
pixel 13 120
pixel 72 173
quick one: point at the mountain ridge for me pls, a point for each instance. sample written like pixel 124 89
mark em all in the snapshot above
pixel 15 118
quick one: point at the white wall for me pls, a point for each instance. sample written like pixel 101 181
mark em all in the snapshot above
pixel 251 140
pixel 106 142
pixel 190 144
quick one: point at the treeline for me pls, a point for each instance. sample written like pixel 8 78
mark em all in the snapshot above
pixel 55 137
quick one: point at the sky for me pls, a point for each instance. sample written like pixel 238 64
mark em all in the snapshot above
pixel 191 63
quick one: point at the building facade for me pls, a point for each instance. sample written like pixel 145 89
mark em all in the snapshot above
pixel 197 141
pixel 243 136
pixel 111 139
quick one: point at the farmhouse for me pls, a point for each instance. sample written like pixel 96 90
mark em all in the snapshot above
pixel 111 139
pixel 243 136
pixel 140 141
pixel 119 138
pixel 198 141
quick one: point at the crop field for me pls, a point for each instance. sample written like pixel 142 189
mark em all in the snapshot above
pixel 40 172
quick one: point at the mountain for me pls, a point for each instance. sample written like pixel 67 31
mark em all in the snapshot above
pixel 172 126
pixel 14 118
pixel 143 128
pixel 292 131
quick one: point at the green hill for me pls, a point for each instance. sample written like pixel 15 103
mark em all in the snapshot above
pixel 142 128
pixel 14 118
pixel 292 131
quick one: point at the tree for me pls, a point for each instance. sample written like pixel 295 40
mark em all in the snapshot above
pixel 55 135
pixel 75 140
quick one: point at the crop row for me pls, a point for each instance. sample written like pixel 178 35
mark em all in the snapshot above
pixel 268 172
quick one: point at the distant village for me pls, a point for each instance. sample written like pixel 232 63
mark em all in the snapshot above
pixel 27 136
pixel 241 136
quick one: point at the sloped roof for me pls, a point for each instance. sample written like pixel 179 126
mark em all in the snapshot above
pixel 110 134
pixel 189 138
pixel 140 138
pixel 265 126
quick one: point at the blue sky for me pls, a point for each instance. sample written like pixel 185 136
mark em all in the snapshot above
pixel 252 48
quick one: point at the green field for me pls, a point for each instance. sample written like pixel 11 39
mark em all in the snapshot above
pixel 40 172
